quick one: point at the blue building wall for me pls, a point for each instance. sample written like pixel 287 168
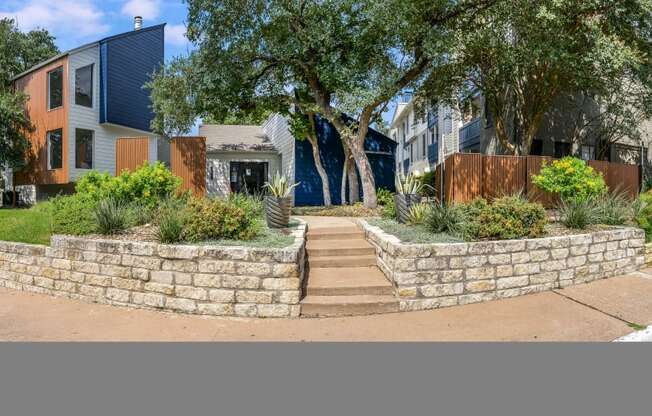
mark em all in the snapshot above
pixel 380 148
pixel 126 63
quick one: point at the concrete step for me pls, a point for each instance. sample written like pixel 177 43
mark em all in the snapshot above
pixel 316 262
pixel 348 281
pixel 352 234
pixel 323 306
pixel 321 248
pixel 315 231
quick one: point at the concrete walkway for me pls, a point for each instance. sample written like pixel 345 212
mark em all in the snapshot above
pixel 599 311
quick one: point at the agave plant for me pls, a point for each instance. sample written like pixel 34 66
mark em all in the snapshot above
pixel 410 184
pixel 280 187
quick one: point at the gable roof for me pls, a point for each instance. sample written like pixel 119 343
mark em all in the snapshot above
pixel 223 137
pixel 88 45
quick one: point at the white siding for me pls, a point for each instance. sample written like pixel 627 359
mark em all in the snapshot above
pixel 276 128
pixel 105 135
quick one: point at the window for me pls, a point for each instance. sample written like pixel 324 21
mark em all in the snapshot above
pixel 84 86
pixel 588 152
pixel 423 142
pixel 412 151
pixel 83 149
pixel 537 147
pixel 433 134
pixel 55 88
pixel 562 149
pixel 55 149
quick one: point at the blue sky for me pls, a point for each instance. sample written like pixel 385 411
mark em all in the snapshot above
pixel 76 22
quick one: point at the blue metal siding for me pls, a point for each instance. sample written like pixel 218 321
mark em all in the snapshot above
pixel 309 191
pixel 127 61
pixel 470 134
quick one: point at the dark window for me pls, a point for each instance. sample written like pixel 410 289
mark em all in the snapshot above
pixel 425 146
pixel 55 149
pixel 562 149
pixel 83 149
pixel 55 88
pixel 537 148
pixel 84 86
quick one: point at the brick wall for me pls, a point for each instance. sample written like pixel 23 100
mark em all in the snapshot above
pixel 206 280
pixel 428 276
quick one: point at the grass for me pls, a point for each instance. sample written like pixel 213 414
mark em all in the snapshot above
pixel 268 238
pixel 355 210
pixel 26 225
pixel 417 234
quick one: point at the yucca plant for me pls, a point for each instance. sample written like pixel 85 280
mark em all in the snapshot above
pixel 111 216
pixel 408 190
pixel 410 184
pixel 278 204
pixel 419 213
pixel 280 186
pixel 578 213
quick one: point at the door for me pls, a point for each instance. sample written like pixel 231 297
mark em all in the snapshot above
pixel 248 177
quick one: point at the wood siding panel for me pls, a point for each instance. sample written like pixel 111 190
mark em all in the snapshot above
pixel 188 161
pixel 35 85
pixel 503 176
pixel 131 153
pixel 467 176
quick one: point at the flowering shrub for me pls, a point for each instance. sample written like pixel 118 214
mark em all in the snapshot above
pixel 570 177
pixel 215 219
pixel 146 185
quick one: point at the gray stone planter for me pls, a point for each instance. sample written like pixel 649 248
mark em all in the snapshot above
pixel 277 211
pixel 403 203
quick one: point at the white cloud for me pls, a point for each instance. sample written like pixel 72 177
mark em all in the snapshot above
pixel 147 9
pixel 176 35
pixel 61 17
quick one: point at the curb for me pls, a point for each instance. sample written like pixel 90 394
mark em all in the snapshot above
pixel 644 335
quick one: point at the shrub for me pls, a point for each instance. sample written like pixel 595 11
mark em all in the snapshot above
pixel 170 226
pixel 140 214
pixel 213 219
pixel 386 202
pixel 111 216
pixel 447 219
pixel 570 177
pixel 73 214
pixel 614 208
pixel 644 214
pixel 418 213
pixel 428 179
pixel 146 185
pixel 253 204
pixel 578 213
pixel 508 217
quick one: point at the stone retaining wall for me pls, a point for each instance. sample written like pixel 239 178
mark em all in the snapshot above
pixel 206 280
pixel 428 276
pixel 648 253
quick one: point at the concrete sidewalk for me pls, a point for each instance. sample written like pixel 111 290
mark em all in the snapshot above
pixel 599 311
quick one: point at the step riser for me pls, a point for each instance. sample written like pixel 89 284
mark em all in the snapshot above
pixel 318 252
pixel 350 291
pixel 333 230
pixel 315 311
pixel 335 236
pixel 342 262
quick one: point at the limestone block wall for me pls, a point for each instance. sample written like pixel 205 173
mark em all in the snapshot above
pixel 428 276
pixel 206 280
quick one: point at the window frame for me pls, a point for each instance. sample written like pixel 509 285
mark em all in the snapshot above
pixel 49 148
pixel 77 130
pixel 49 88
pixel 92 68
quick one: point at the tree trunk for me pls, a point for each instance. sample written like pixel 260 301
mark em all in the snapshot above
pixel 326 191
pixel 354 190
pixel 366 173
pixel 345 170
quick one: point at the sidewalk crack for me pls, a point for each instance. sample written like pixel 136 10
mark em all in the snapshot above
pixel 628 323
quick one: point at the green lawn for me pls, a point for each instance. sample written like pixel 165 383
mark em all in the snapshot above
pixel 25 225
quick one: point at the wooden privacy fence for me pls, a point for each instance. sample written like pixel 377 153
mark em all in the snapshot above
pixel 188 161
pixel 130 153
pixel 471 175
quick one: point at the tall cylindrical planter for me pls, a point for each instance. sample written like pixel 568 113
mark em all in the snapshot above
pixel 403 203
pixel 277 211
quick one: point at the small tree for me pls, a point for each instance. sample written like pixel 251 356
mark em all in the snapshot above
pixel 571 178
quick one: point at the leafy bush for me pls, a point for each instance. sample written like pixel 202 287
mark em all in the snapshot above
pixel 146 185
pixel 170 226
pixel 570 177
pixel 578 213
pixel 385 200
pixel 140 214
pixel 644 214
pixel 428 179
pixel 418 213
pixel 614 208
pixel 509 217
pixel 447 219
pixel 251 203
pixel 73 214
pixel 111 216
pixel 213 219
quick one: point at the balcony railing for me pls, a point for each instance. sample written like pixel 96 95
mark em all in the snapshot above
pixel 470 133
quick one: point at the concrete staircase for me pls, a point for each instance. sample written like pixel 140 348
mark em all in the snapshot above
pixel 343 278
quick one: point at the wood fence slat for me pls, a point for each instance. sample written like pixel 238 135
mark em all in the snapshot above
pixel 503 176
pixel 188 161
pixel 130 153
